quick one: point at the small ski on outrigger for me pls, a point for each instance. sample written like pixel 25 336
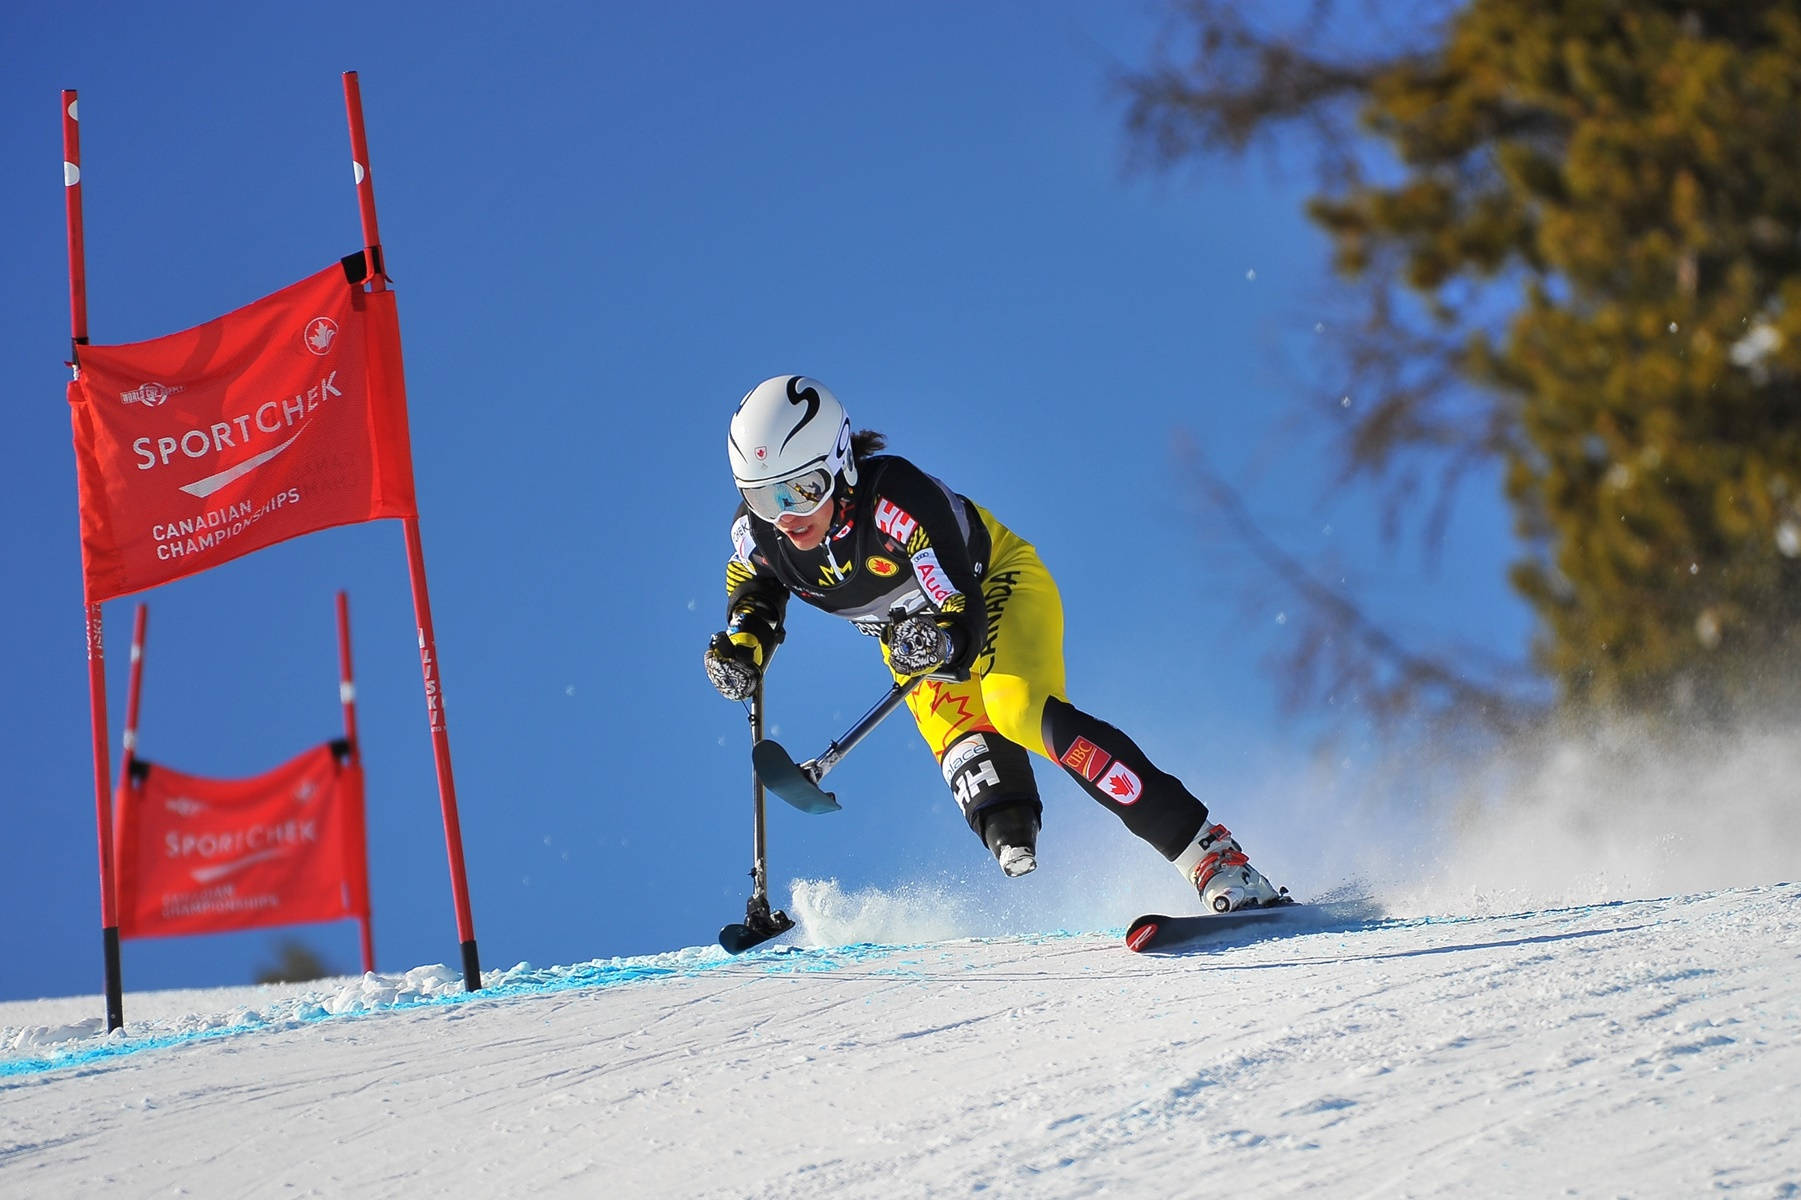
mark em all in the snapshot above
pixel 1154 931
pixel 798 783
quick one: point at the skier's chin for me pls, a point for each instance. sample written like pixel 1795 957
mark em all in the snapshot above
pixel 805 538
pixel 805 535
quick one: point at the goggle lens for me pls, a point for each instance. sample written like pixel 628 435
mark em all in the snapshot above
pixel 799 497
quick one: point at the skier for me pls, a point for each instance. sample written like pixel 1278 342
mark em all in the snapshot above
pixel 954 595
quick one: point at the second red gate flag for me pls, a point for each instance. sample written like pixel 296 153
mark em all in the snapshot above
pixel 281 418
pixel 213 855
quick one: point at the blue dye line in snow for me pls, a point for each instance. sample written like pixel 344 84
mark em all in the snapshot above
pixel 501 985
pixel 529 981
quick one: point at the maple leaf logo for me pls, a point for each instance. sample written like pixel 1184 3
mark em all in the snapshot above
pixel 1122 785
pixel 961 719
pixel 320 334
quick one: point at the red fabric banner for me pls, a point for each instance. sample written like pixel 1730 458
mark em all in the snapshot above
pixel 210 856
pixel 284 417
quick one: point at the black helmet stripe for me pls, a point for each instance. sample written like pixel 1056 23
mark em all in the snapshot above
pixel 800 395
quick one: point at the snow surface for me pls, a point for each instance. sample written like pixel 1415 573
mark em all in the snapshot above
pixel 1646 1047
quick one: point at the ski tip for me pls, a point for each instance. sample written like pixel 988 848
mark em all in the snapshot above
pixel 1141 933
pixel 736 939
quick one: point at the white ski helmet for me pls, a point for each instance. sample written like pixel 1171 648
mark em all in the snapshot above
pixel 789 443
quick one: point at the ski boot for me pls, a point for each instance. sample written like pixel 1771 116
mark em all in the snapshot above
pixel 1223 875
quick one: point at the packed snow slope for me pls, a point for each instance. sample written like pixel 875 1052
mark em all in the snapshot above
pixel 1638 1048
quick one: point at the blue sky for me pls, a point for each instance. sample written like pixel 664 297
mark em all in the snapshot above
pixel 605 223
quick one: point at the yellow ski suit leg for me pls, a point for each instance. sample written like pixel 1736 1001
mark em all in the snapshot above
pixel 1016 689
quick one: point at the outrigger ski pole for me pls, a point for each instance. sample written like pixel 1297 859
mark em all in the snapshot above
pixel 798 783
pixel 759 923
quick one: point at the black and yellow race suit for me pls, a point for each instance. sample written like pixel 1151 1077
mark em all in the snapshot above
pixel 902 540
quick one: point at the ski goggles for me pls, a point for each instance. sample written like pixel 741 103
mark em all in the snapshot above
pixel 800 496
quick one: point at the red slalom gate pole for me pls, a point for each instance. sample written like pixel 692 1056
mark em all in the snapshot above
pixel 78 337
pixel 346 688
pixel 415 558
pixel 133 698
pixel 347 697
pixel 129 742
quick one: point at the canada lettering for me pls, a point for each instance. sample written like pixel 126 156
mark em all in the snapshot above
pixel 995 594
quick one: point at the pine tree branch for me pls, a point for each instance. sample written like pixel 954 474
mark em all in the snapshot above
pixel 1346 650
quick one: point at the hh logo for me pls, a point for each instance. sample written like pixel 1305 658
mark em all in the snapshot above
pixel 881 566
pixel 1086 759
pixel 321 333
pixel 892 520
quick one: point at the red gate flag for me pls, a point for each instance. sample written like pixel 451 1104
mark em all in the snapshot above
pixel 284 417
pixel 215 855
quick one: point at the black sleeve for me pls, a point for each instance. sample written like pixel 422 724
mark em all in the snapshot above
pixel 920 514
pixel 756 601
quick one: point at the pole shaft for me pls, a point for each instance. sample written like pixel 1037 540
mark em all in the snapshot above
pixel 139 625
pixel 347 698
pixel 78 270
pixel 78 336
pixel 365 183
pixel 893 699
pixel 440 743
pixel 346 684
pixel 415 561
pixel 759 872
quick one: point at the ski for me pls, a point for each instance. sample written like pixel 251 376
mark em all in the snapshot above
pixel 738 937
pixel 758 926
pixel 789 780
pixel 1154 931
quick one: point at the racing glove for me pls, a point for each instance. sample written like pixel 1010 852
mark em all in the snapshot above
pixel 918 644
pixel 734 663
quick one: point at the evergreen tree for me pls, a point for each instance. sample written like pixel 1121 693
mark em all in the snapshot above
pixel 1580 248
pixel 295 962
